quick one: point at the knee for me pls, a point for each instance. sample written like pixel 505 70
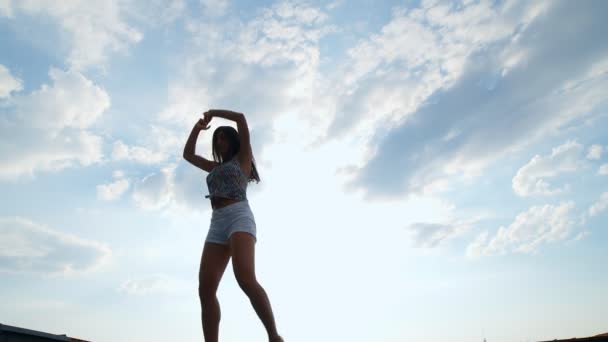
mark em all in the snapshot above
pixel 247 284
pixel 206 292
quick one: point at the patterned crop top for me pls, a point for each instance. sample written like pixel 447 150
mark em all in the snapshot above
pixel 228 180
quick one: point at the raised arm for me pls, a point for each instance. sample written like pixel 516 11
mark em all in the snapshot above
pixel 245 153
pixel 189 149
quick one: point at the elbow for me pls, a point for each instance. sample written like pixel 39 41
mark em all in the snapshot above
pixel 241 118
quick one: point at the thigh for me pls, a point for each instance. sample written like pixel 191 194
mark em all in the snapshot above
pixel 213 264
pixel 218 230
pixel 242 250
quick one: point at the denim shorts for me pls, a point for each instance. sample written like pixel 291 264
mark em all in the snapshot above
pixel 235 217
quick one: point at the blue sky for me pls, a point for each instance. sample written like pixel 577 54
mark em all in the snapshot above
pixel 430 170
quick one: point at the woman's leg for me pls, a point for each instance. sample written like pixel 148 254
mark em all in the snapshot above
pixel 213 264
pixel 242 250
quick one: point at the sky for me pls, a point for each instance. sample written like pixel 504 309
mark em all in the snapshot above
pixel 429 170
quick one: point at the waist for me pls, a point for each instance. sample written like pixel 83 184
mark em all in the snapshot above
pixel 220 202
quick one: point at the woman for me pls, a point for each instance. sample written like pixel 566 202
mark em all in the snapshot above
pixel 232 232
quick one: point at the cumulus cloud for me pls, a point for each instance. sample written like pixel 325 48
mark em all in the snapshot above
pixel 334 4
pixel 6 8
pixel 121 151
pixel 532 228
pixel 531 179
pixel 603 170
pixel 418 52
pixel 600 205
pixel 175 186
pixel 113 191
pixel 93 29
pixel 29 247
pixel 154 13
pixel 154 190
pixel 215 7
pixel 118 174
pixel 158 145
pixel 274 56
pixel 595 152
pixel 47 129
pixel 582 235
pixel 8 82
pixel 72 101
pixel 430 235
pixel 475 82
pixel 189 187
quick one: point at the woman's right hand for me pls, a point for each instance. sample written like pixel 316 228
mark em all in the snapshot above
pixel 203 124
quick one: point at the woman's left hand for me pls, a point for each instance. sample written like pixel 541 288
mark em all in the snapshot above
pixel 209 114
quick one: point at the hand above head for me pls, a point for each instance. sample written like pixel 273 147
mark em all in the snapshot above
pixel 210 113
pixel 224 114
pixel 203 124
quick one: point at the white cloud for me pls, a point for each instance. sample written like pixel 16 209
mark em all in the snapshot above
pixel 8 83
pixel 215 7
pixel 153 192
pixel 112 191
pixel 28 247
pixel 532 228
pixel 334 4
pixel 93 28
pixel 301 13
pixel 277 51
pixel 118 174
pixel 173 187
pixel 47 130
pixel 158 145
pixel 428 93
pixel 430 235
pixel 603 170
pixel 418 52
pixel 153 284
pixel 155 13
pixel 600 205
pixel 478 246
pixel 73 101
pixel 139 154
pixel 595 152
pixel 530 179
pixel 189 187
pixel 6 8
pixel 582 235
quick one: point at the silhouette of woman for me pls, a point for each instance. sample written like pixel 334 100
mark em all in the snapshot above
pixel 232 232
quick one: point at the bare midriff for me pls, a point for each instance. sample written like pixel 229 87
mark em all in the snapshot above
pixel 220 202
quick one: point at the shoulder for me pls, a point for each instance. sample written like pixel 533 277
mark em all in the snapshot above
pixel 238 157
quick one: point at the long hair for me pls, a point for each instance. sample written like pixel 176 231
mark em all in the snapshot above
pixel 232 135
